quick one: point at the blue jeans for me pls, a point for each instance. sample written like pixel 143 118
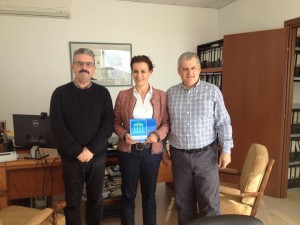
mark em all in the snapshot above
pixel 75 174
pixel 139 165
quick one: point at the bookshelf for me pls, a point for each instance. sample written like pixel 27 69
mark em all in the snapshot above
pixel 297 57
pixel 294 163
pixel 211 60
pixel 294 159
pixel 211 54
pixel 112 186
pixel 294 154
pixel 297 64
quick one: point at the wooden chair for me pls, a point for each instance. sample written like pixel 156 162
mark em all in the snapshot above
pixel 244 197
pixel 20 215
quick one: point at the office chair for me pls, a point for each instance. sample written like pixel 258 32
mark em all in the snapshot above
pixel 244 197
pixel 226 220
pixel 20 215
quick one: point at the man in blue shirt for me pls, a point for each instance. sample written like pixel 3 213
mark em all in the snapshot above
pixel 198 119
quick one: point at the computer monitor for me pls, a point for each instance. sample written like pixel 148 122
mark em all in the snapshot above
pixel 30 130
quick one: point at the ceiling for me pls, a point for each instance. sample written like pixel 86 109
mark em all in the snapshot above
pixel 214 4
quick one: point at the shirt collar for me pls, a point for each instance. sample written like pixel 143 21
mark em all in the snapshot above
pixel 135 92
pixel 77 85
pixel 197 84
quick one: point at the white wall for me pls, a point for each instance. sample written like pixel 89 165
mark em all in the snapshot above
pixel 35 57
pixel 254 15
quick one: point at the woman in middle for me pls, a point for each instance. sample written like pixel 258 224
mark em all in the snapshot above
pixel 140 161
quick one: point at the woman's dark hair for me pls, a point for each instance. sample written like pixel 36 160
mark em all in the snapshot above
pixel 142 58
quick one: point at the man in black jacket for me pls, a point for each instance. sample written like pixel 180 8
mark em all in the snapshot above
pixel 81 115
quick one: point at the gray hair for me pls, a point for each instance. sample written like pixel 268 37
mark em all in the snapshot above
pixel 85 51
pixel 188 56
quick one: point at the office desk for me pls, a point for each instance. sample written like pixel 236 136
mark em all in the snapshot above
pixel 26 178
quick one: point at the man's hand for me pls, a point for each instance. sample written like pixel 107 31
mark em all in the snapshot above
pixel 86 155
pixel 225 159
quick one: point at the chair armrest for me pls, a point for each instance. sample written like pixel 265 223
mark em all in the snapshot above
pixel 251 194
pixel 59 205
pixel 244 195
pixel 230 171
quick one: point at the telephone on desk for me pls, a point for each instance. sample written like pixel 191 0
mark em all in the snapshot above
pixel 8 156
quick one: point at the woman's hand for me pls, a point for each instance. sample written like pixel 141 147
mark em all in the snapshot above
pixel 129 139
pixel 152 138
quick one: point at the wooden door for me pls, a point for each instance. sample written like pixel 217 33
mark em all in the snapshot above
pixel 255 92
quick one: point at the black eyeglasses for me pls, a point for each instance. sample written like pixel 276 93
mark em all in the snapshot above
pixel 81 64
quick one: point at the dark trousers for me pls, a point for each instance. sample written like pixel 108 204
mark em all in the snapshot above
pixel 139 165
pixel 75 174
pixel 196 180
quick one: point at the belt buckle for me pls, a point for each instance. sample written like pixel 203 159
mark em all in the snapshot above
pixel 140 146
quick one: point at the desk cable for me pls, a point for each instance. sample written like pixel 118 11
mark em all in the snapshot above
pixel 46 165
pixel 51 167
pixel 36 179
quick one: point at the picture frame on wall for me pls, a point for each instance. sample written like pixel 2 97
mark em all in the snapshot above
pixel 112 61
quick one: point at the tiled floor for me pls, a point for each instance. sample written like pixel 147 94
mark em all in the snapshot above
pixel 166 211
pixel 280 211
pixel 272 211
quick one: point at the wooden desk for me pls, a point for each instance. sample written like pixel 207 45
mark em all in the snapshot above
pixel 26 178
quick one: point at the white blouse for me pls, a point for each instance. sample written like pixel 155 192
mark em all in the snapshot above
pixel 143 110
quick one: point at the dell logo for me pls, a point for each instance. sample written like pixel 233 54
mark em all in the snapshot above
pixel 35 123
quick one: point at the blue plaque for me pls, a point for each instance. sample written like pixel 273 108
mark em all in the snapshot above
pixel 141 128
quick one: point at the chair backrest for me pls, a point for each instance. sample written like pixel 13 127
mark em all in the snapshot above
pixel 253 171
